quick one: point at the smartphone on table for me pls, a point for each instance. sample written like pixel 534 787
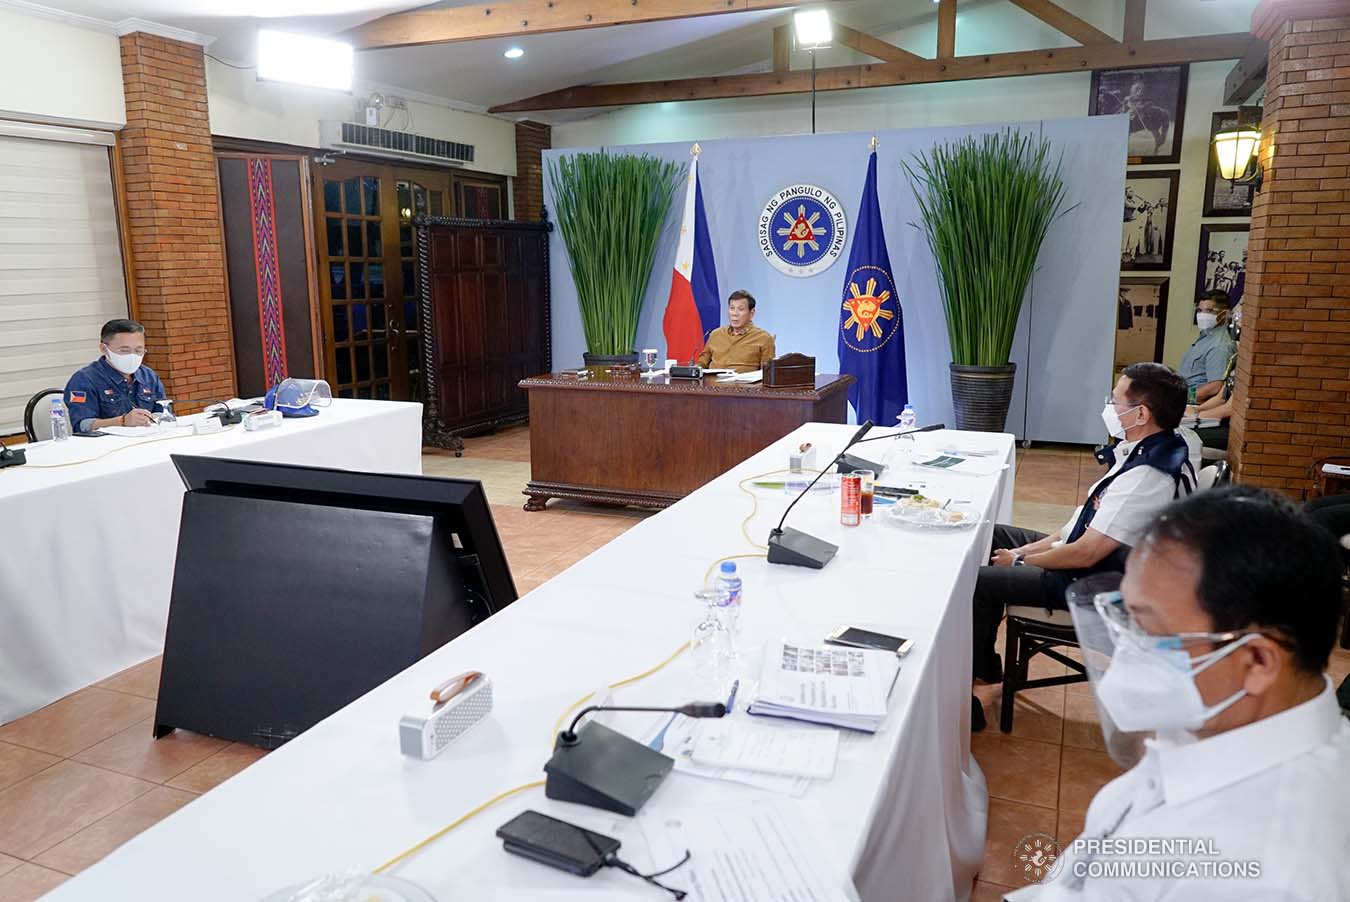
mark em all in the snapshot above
pixel 855 637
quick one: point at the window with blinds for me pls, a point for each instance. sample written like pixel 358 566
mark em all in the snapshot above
pixel 61 271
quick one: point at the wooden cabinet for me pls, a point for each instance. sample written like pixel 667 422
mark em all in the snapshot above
pixel 485 296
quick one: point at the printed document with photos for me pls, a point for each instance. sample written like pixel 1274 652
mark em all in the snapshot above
pixel 827 684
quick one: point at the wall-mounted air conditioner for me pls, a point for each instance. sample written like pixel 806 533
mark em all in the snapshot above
pixel 384 142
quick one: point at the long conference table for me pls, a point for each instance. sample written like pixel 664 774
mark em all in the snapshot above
pixel 903 817
pixel 91 531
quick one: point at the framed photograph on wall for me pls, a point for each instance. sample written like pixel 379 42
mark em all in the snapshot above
pixel 1155 100
pixel 1222 263
pixel 1141 319
pixel 1149 217
pixel 1222 197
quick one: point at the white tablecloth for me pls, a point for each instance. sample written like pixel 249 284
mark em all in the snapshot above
pixel 86 564
pixel 904 815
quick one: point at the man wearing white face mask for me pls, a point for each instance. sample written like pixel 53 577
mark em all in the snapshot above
pixel 1205 361
pixel 1222 631
pixel 1152 467
pixel 116 389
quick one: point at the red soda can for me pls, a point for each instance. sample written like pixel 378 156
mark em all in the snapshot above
pixel 850 499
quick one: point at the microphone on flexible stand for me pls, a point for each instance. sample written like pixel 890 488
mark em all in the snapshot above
pixel 792 546
pixel 11 458
pixel 848 463
pixel 605 769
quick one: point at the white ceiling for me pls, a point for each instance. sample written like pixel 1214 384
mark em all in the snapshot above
pixel 475 74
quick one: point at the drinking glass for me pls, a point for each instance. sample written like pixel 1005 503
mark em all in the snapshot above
pixel 868 480
pixel 649 359
pixel 166 417
pixel 712 647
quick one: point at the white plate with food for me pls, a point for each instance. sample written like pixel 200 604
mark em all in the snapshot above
pixel 933 513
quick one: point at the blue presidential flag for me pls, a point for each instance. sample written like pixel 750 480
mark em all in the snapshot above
pixel 871 329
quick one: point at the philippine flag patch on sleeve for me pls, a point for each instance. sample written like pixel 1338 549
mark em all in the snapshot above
pixel 77 397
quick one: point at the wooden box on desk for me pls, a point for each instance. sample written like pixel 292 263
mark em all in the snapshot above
pixel 790 371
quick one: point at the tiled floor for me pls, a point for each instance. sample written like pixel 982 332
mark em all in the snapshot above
pixel 82 776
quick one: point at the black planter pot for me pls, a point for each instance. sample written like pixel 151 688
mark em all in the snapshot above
pixel 982 395
pixel 608 359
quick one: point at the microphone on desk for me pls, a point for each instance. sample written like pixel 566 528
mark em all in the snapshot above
pixel 12 458
pixel 792 546
pixel 605 769
pixel 848 463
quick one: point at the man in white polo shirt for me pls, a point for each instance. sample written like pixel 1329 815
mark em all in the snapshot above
pixel 1222 632
pixel 1152 467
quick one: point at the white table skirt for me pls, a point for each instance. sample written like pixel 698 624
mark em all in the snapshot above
pixel 904 816
pixel 86 564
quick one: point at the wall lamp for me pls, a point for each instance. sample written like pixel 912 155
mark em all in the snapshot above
pixel 1237 149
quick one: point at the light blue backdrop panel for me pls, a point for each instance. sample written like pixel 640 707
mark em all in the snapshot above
pixel 1065 339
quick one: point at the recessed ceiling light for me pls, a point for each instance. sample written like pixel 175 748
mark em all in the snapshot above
pixel 514 53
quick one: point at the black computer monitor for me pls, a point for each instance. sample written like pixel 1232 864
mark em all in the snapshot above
pixel 298 589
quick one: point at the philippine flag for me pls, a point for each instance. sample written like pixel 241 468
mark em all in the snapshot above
pixel 694 308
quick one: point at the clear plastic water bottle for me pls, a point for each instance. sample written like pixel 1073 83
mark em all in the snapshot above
pixel 729 581
pixel 60 421
pixel 908 418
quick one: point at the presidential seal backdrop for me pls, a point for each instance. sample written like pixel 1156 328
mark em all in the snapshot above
pixel 802 230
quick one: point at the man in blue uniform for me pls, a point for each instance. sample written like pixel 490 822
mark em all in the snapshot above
pixel 115 390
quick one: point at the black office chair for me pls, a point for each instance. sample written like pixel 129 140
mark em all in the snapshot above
pixel 30 427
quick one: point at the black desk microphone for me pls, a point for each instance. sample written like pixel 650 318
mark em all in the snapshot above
pixel 605 769
pixel 11 458
pixel 848 463
pixel 792 546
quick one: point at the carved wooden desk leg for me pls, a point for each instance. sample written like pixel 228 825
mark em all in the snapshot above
pixel 536 502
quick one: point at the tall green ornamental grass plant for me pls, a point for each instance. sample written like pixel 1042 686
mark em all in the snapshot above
pixel 610 210
pixel 986 204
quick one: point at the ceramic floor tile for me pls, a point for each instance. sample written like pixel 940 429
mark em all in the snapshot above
pixel 76 722
pixel 218 768
pixel 1082 729
pixel 1070 826
pixel 8 864
pixel 95 841
pixel 28 882
pixel 989 892
pixel 1040 516
pixel 1009 824
pixel 1082 773
pixel 38 813
pixel 135 752
pixel 142 680
pixel 1037 713
pixel 1018 770
pixel 18 763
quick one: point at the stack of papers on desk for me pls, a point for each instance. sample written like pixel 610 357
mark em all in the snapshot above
pixel 827 684
pixel 956 463
pixel 750 377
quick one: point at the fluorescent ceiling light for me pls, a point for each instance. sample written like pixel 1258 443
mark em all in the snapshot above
pixel 304 60
pixel 812 27
pixel 514 53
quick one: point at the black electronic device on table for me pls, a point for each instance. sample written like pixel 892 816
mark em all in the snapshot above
pixel 556 843
pixel 855 637
pixel 297 589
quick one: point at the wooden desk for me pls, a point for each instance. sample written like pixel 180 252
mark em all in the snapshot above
pixel 650 442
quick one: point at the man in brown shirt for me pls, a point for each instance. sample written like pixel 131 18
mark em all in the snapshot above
pixel 741 346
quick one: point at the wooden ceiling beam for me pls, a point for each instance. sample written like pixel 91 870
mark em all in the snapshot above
pixel 514 18
pixel 1169 51
pixel 1249 73
pixel 872 46
pixel 946 35
pixel 1065 22
pixel 782 48
pixel 1135 11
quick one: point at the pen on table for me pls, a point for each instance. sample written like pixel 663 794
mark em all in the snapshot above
pixel 731 699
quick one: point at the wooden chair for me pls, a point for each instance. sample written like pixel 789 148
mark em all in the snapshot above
pixel 1032 631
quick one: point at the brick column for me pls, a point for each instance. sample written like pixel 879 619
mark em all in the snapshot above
pixel 173 217
pixel 1293 376
pixel 532 139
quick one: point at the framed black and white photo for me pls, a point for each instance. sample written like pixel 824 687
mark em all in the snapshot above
pixel 1149 217
pixel 1222 264
pixel 1222 197
pixel 1154 98
pixel 1141 320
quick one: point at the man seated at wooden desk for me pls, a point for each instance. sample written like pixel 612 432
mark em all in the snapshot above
pixel 741 346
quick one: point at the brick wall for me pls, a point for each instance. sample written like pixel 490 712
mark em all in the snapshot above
pixel 173 218
pixel 1293 377
pixel 532 138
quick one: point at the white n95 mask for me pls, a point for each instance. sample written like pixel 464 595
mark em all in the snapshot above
pixel 126 364
pixel 1112 420
pixel 1154 688
pixel 1206 321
